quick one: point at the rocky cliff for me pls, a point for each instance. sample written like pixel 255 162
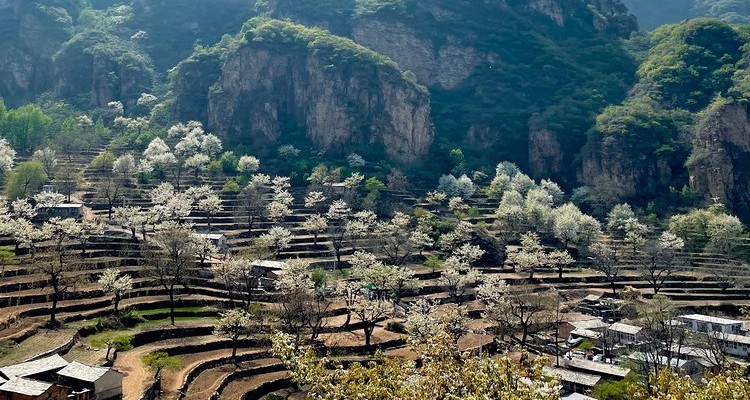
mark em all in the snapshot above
pixel 94 68
pixel 488 74
pixel 31 33
pixel 720 164
pixel 342 96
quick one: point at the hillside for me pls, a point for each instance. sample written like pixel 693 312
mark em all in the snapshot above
pixel 652 14
pixel 540 83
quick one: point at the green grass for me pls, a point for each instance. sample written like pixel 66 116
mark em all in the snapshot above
pixel 177 309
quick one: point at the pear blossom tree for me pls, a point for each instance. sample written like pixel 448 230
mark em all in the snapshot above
pixel 171 259
pixel 56 266
pixel 315 224
pixel 232 324
pixel 7 156
pixel 253 200
pixel 395 238
pixel 211 205
pixel 360 226
pixel 129 218
pixel 48 158
pixel 248 165
pixel 337 215
pixel 303 305
pixel 112 282
pixel 457 278
pixel 604 259
pixel 518 312
pixel 277 239
pixel 657 261
pixel 239 276
pixel 124 167
pixel 369 312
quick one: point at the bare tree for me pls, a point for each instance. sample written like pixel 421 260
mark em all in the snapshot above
pixel 57 267
pixel 519 312
pixel 172 258
pixel 656 262
pixel 604 259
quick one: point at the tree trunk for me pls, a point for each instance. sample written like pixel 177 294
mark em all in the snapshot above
pixel 368 335
pixel 234 347
pixel 559 272
pixel 348 320
pixel 117 302
pixel 53 311
pixel 614 288
pixel 171 305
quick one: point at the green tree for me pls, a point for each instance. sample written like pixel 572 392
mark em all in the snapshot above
pixel 25 180
pixel 159 361
pixel 26 127
pixel 113 341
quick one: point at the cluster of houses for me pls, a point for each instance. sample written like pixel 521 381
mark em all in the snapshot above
pixel 54 378
pixel 579 373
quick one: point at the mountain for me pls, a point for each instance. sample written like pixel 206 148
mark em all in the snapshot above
pixel 562 88
pixel 652 14
pixel 498 72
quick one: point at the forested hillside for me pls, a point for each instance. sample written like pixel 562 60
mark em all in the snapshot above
pixel 560 88
pixel 652 14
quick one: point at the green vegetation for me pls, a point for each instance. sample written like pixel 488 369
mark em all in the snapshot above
pixel 25 180
pixel 25 127
pixel 156 362
pixel 334 49
pixel 652 14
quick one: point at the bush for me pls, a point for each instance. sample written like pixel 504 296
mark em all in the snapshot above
pixel 396 327
pixel 230 187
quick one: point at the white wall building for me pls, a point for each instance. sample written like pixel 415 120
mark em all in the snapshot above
pixel 707 324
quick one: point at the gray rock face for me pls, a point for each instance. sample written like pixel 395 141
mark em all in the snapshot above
pixel 446 66
pixel 545 152
pixel 340 108
pixel 30 35
pixel 720 164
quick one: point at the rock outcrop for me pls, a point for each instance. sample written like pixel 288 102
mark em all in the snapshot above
pixel 359 100
pixel 31 33
pixel 94 68
pixel 720 164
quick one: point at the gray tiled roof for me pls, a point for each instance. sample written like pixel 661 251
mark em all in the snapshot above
pixel 30 368
pixel 83 372
pixel 25 386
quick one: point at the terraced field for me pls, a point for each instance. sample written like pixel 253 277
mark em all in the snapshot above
pixel 207 370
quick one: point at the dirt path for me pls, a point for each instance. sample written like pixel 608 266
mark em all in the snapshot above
pixel 137 377
pixel 172 381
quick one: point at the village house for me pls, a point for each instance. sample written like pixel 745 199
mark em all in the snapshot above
pixel 606 371
pixel 42 369
pixel 707 324
pixel 625 334
pixel 19 388
pixel 691 368
pixel 573 381
pixel 105 383
pixel 216 239
pixel 53 378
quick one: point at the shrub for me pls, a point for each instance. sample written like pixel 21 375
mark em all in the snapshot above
pixel 396 327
